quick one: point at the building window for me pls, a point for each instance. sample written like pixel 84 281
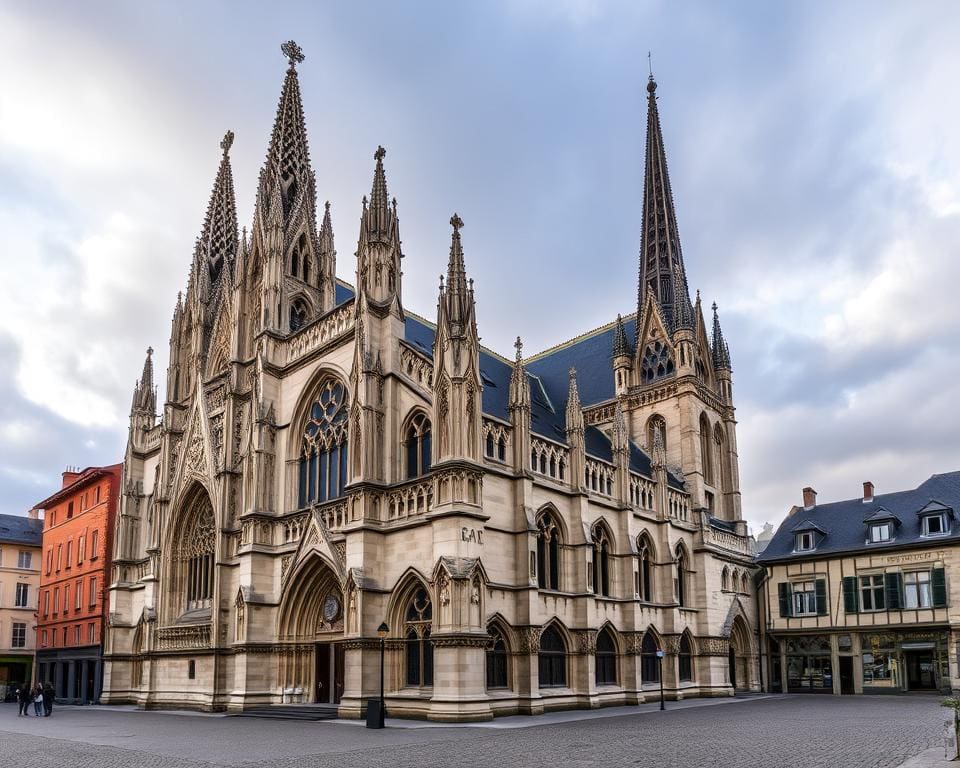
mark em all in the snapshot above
pixel 97 492
pixel 93 591
pixel 59 557
pixel 934 525
pixel 680 578
pixel 606 659
pixel 78 594
pixel 417 442
pixel 552 659
pixel 46 603
pixel 879 532
pixel 49 561
pixel 805 541
pixel 23 596
pixel 43 637
pixel 323 459
pixel 69 554
pixel 76 635
pixel 601 561
pixel 191 670
pixel 706 451
pixel 548 552
pixel 23 560
pixel 64 637
pixel 81 548
pixel 94 544
pixel 871 593
pixel 419 646
pixel 56 601
pixel 657 362
pixel 685 659
pixel 19 635
pixel 69 510
pixel 298 315
pixel 66 598
pixel 649 661
pixel 91 633
pixel 916 590
pixel 804 598
pixel 646 571
pixel 497 661
pixel 198 550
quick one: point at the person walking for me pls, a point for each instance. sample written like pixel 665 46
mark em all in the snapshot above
pixel 37 700
pixel 47 700
pixel 23 700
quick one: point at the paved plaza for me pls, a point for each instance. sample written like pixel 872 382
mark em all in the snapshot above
pixel 778 731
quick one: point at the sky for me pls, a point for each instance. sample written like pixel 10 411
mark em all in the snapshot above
pixel 813 151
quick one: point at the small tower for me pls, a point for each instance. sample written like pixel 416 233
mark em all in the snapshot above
pixel 378 249
pixel 622 359
pixel 575 431
pixel 456 364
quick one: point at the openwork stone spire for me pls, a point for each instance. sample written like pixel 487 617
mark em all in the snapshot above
pixel 721 352
pixel 621 347
pixel 574 414
pixel 683 318
pixel 144 394
pixel 219 241
pixel 660 255
pixel 326 233
pixel 378 249
pixel 288 156
pixel 457 292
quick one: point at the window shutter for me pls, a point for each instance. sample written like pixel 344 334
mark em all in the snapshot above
pixel 939 583
pixel 822 607
pixel 850 602
pixel 784 588
pixel 894 589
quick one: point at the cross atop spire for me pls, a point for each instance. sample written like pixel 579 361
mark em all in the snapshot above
pixel 293 52
pixel 660 255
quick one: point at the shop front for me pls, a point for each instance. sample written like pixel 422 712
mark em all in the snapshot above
pixel 905 661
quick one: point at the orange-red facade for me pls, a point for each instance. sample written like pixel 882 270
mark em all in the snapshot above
pixel 72 611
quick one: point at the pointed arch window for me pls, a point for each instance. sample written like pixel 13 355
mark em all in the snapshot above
pixel 685 659
pixel 323 457
pixel 725 579
pixel 552 659
pixel 657 362
pixel 497 661
pixel 601 561
pixel 548 552
pixel 419 646
pixel 706 450
pixel 606 658
pixel 646 570
pixel 649 662
pixel 417 443
pixel 298 315
pixel 680 578
pixel 656 424
pixel 197 544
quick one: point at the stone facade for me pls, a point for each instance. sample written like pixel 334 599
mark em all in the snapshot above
pixel 327 461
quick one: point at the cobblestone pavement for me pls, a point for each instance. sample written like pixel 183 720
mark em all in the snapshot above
pixel 777 732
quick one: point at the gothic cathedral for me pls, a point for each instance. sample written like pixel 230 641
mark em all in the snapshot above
pixel 535 533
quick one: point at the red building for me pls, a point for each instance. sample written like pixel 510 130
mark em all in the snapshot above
pixel 77 545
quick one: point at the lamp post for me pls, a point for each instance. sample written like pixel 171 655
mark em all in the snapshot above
pixel 376 714
pixel 660 675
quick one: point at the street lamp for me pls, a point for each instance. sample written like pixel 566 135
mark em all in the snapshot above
pixel 376 710
pixel 660 675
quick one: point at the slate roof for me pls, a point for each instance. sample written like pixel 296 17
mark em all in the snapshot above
pixel 548 374
pixel 18 529
pixel 844 522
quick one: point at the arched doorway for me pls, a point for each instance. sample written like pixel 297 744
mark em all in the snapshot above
pixel 311 625
pixel 739 655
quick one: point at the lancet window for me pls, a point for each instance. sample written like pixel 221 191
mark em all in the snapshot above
pixel 323 456
pixel 685 659
pixel 552 660
pixel 601 561
pixel 417 443
pixel 706 450
pixel 497 661
pixel 548 552
pixel 649 661
pixel 605 661
pixel 680 577
pixel 197 544
pixel 419 646
pixel 646 570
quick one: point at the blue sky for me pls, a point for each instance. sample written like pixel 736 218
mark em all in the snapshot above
pixel 813 154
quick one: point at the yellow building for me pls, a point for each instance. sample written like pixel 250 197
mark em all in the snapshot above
pixel 858 594
pixel 20 539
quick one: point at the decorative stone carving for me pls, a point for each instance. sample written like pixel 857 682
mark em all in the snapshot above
pixel 528 639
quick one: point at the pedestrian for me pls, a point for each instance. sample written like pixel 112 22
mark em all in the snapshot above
pixel 23 700
pixel 37 700
pixel 47 699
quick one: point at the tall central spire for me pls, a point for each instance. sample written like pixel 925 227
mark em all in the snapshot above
pixel 661 261
pixel 289 156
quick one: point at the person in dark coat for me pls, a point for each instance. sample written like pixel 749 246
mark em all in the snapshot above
pixel 47 700
pixel 23 700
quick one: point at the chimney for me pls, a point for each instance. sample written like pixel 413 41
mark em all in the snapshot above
pixel 809 498
pixel 69 475
pixel 867 492
pixel 34 513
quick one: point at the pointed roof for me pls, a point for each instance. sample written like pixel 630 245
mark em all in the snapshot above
pixel 456 291
pixel 288 155
pixel 621 347
pixel 219 241
pixel 379 213
pixel 574 412
pixel 144 395
pixel 721 352
pixel 683 311
pixel 660 255
pixel 326 232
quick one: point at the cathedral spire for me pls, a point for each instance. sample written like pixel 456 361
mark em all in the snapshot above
pixel 288 155
pixel 219 242
pixel 660 256
pixel 144 394
pixel 456 291
pixel 378 249
pixel 721 352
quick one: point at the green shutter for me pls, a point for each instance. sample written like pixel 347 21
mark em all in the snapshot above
pixel 822 608
pixel 850 601
pixel 938 581
pixel 784 587
pixel 893 583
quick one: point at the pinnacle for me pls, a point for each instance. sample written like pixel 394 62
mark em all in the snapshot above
pixel 621 346
pixel 721 352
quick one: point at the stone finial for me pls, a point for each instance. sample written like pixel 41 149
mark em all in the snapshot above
pixel 293 52
pixel 226 142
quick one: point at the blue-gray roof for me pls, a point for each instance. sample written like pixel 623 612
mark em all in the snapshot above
pixel 18 529
pixel 844 523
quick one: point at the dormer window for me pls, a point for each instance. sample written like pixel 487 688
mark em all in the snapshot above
pixel 806 541
pixel 880 532
pixel 934 525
